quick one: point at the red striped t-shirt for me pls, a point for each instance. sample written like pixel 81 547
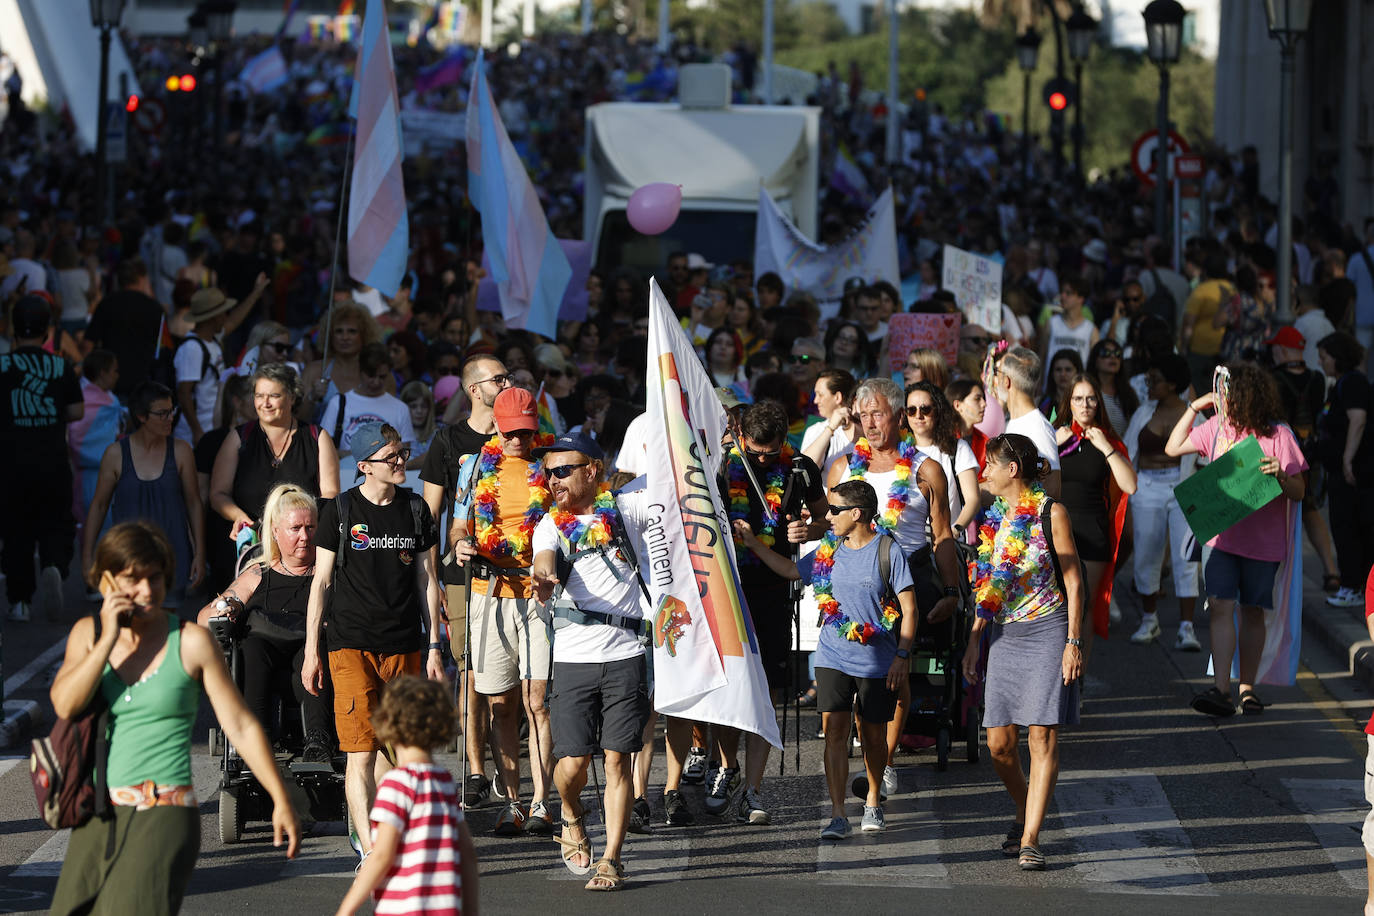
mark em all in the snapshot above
pixel 420 801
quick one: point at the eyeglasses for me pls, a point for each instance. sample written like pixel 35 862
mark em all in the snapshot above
pixel 833 509
pixel 501 380
pixel 395 458
pixel 920 410
pixel 518 434
pixel 800 360
pixel 1081 401
pixel 846 338
pixel 564 471
pixel 162 414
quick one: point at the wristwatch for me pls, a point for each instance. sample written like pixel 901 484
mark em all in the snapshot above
pixel 951 591
pixel 1074 642
pixel 904 653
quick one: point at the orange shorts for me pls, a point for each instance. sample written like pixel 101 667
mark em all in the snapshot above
pixel 358 677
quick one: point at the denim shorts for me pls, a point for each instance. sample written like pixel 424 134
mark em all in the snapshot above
pixel 1230 577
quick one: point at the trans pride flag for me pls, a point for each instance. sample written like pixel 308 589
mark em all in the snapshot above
pixel 706 657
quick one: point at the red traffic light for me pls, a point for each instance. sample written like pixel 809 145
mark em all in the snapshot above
pixel 132 104
pixel 1058 101
pixel 188 83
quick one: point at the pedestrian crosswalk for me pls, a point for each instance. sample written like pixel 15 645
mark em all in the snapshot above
pixel 1335 811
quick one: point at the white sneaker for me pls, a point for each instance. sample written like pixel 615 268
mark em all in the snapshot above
pixel 50 592
pixel 1187 639
pixel 1113 612
pixel 873 821
pixel 19 612
pixel 1148 631
pixel 889 781
pixel 1346 597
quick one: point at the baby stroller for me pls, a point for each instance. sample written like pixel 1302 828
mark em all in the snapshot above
pixel 316 786
pixel 943 705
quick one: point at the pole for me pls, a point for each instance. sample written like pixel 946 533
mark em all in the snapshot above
pixel 1285 290
pixel 663 18
pixel 334 265
pixel 219 98
pixel 1078 122
pixel 1177 223
pixel 586 17
pixel 1025 128
pixel 527 24
pixel 894 146
pixel 1057 117
pixel 101 208
pixel 1162 157
pixel 485 35
pixel 767 52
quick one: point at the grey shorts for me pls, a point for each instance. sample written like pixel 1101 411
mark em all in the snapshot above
pixel 599 705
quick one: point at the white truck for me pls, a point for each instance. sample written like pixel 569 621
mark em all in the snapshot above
pixel 719 154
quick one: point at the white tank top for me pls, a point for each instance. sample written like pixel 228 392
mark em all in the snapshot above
pixel 1063 337
pixel 912 523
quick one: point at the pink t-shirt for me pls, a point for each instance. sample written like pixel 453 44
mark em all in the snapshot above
pixel 1263 535
pixel 421 802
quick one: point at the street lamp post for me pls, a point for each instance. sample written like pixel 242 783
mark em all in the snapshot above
pixel 1082 30
pixel 1287 22
pixel 1163 36
pixel 105 16
pixel 219 26
pixel 1027 50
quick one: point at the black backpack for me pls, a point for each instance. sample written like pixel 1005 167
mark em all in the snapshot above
pixel 1161 302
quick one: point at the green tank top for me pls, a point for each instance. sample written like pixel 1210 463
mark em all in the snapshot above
pixel 151 720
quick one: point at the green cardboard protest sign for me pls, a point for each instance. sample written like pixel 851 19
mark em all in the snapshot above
pixel 1226 491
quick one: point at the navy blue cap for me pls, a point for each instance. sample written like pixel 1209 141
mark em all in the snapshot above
pixel 573 442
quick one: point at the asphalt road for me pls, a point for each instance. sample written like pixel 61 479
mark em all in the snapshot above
pixel 1165 810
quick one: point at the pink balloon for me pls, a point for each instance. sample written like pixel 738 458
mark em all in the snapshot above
pixel 654 207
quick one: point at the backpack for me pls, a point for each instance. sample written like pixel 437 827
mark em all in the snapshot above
pixel 417 519
pixel 1304 419
pixel 620 538
pixel 67 768
pixel 885 542
pixel 1161 302
pixel 1047 526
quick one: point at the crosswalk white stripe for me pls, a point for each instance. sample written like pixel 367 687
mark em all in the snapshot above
pixel 1335 810
pixel 906 854
pixel 46 861
pixel 1125 832
pixel 10 763
pixel 41 662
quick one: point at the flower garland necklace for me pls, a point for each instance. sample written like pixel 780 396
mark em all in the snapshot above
pixel 588 535
pixel 997 570
pixel 822 567
pixel 899 492
pixel 773 486
pixel 489 538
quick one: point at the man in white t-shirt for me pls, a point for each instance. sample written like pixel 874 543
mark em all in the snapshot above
pixel 199 361
pixel 367 403
pixel 1015 381
pixel 599 665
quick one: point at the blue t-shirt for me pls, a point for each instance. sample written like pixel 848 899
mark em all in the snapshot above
pixel 857 584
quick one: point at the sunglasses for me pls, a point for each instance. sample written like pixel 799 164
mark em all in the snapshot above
pixel 1110 352
pixel 554 373
pixel 921 410
pixel 753 454
pixel 278 347
pixel 833 509
pixel 400 457
pixel 801 360
pixel 563 472
pixel 1134 299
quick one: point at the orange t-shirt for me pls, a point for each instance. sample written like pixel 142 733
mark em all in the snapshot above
pixel 512 499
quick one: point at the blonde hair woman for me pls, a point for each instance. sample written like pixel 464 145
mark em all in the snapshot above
pixel 925 365
pixel 269 599
pixel 351 327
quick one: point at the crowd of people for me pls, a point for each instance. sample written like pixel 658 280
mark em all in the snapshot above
pixel 392 456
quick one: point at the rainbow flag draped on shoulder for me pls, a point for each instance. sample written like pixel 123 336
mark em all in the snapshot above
pixel 706 658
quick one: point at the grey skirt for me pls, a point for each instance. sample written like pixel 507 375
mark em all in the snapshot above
pixel 1025 680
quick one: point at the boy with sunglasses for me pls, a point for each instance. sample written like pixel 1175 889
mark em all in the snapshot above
pixel 863 653
pixel 378 579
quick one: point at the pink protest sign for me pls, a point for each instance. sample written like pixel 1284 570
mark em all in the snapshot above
pixel 907 332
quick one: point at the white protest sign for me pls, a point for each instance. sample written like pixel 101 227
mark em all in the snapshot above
pixel 976 283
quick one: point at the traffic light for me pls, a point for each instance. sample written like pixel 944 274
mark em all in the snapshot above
pixel 183 83
pixel 131 105
pixel 1059 93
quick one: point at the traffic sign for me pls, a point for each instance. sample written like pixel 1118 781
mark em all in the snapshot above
pixel 116 134
pixel 1143 153
pixel 150 116
pixel 1188 167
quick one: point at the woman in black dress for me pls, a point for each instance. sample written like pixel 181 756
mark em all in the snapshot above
pixel 269 600
pixel 1097 476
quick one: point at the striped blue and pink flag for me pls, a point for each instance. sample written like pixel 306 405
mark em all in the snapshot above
pixel 378 234
pixel 529 265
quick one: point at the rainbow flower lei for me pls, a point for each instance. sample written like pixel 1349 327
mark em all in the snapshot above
pixel 588 535
pixel 822 567
pixel 899 493
pixel 490 540
pixel 996 571
pixel 773 487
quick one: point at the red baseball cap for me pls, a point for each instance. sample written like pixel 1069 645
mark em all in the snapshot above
pixel 1289 337
pixel 514 410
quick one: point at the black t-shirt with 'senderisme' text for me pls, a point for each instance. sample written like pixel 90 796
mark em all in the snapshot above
pixel 376 604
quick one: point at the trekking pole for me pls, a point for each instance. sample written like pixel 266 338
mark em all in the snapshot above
pixel 334 264
pixel 801 478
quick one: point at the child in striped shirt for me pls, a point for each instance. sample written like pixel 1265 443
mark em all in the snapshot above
pixel 423 862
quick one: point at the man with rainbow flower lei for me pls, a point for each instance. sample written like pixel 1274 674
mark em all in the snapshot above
pixel 511 639
pixel 585 567
pixel 887 458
